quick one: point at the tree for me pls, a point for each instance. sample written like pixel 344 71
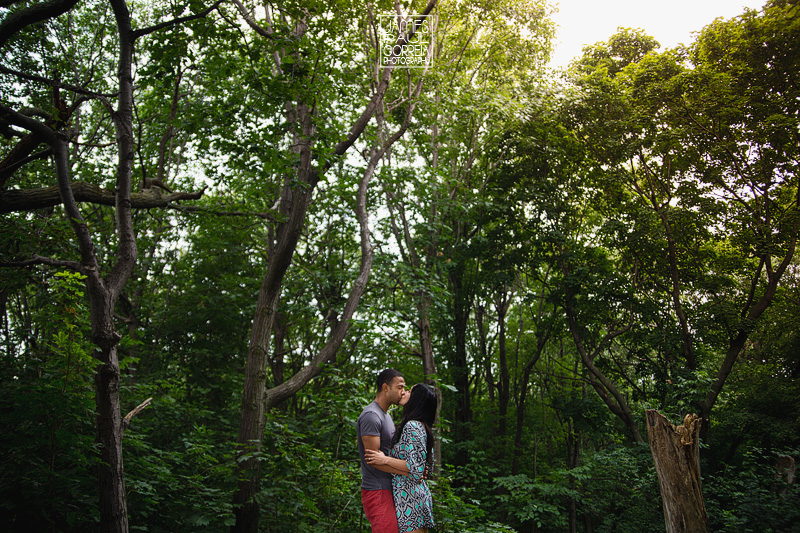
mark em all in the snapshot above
pixel 749 146
pixel 299 58
pixel 706 177
pixel 37 102
pixel 682 162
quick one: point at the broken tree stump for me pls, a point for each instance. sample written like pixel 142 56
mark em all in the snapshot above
pixel 676 452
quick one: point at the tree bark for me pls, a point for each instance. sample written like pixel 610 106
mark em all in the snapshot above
pixel 676 453
pixel 280 328
pixel 38 12
pixel 16 200
pixel 113 506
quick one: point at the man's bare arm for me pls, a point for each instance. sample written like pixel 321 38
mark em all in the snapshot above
pixel 384 464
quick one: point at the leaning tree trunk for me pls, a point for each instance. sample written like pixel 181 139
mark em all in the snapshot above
pixel 676 452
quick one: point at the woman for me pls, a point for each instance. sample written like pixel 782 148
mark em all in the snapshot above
pixel 412 451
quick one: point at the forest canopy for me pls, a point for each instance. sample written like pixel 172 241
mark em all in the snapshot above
pixel 220 220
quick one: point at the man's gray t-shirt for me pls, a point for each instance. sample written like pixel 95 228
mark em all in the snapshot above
pixel 376 422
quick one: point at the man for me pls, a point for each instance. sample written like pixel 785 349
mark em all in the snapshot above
pixel 375 431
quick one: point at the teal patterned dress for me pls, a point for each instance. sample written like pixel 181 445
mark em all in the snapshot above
pixel 412 497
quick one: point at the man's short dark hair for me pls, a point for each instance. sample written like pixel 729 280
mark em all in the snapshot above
pixel 386 377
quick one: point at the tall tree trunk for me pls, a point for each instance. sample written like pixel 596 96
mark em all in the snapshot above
pixel 523 394
pixel 480 312
pixel 676 452
pixel 459 369
pixel 504 388
pixel 103 294
pixel 294 206
pixel 429 368
pixel 113 506
pixel 425 340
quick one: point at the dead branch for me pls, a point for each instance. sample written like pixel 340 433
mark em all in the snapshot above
pixel 126 421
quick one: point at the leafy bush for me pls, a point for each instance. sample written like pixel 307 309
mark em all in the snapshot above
pixel 456 514
pixel 47 415
pixel 753 496
pixel 620 490
pixel 178 465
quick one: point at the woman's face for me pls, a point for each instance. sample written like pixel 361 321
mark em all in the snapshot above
pixel 406 396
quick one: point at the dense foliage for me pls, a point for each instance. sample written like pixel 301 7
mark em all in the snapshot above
pixel 555 252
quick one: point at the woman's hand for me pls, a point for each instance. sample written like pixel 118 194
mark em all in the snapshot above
pixel 375 457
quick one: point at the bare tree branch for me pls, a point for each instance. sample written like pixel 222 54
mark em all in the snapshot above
pixel 126 421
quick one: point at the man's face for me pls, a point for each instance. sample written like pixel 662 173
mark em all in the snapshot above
pixel 397 389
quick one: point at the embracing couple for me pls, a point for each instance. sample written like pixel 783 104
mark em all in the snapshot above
pixel 395 495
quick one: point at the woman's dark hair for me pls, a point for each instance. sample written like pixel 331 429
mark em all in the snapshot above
pixel 421 407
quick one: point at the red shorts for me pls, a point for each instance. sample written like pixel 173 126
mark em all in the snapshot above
pixel 379 508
